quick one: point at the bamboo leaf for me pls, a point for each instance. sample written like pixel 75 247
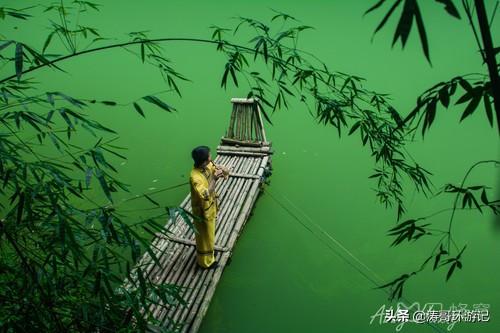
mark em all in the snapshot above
pixel 19 60
pixel 405 22
pixel 471 107
pixel 5 44
pixel 151 200
pixel 450 8
pixel 138 108
pixel 88 176
pixel 354 127
pixel 104 184
pixel 464 84
pixel 421 31
pixel 375 6
pixel 47 41
pixel 158 102
pixel 450 271
pixel 444 96
pixel 265 115
pixel 97 283
pixel 387 16
pixel 488 109
pixel 484 197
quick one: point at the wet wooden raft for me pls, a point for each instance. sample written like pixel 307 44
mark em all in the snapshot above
pixel 246 150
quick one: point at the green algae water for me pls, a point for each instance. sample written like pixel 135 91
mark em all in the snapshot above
pixel 283 277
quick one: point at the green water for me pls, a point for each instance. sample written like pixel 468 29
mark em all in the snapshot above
pixel 282 278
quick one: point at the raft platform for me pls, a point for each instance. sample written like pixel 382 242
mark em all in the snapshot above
pixel 246 150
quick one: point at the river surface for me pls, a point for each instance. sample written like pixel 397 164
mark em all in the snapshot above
pixel 284 278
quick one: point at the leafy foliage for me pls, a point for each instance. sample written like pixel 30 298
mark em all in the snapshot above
pixel 476 90
pixel 65 255
pixel 63 251
pixel 334 98
pixel 474 197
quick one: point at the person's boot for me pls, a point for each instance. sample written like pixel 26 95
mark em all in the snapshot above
pixel 214 265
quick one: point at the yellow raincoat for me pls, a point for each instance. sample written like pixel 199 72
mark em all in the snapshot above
pixel 204 205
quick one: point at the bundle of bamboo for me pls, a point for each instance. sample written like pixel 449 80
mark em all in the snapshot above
pixel 245 125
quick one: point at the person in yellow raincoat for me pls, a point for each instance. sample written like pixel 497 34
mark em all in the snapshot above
pixel 204 204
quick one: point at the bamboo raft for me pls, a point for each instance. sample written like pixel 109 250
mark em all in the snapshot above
pixel 246 150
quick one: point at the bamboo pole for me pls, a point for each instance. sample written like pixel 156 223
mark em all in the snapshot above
pixel 242 218
pixel 196 290
pixel 208 296
pixel 235 207
pixel 242 100
pixel 236 141
pixel 226 204
pixel 160 277
pixel 191 274
pixel 200 292
pixel 242 175
pixel 177 275
pixel 172 274
pixel 230 131
pixel 251 127
pixel 258 136
pixel 241 153
pixel 191 242
pixel 229 204
pixel 242 115
pixel 239 121
pixel 240 204
pixel 164 313
pixel 261 124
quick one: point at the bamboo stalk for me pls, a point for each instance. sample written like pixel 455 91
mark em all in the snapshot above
pixel 261 123
pixel 246 122
pixel 242 117
pixel 200 291
pixel 258 136
pixel 242 100
pixel 190 275
pixel 235 207
pixel 226 201
pixel 230 132
pixel 208 297
pixel 194 286
pixel 239 204
pixel 236 141
pixel 241 153
pixel 249 127
pixel 177 277
pixel 239 121
pixel 190 242
pixel 161 276
pixel 165 313
pixel 172 274
pixel 242 175
pixel 229 204
pixel 242 218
